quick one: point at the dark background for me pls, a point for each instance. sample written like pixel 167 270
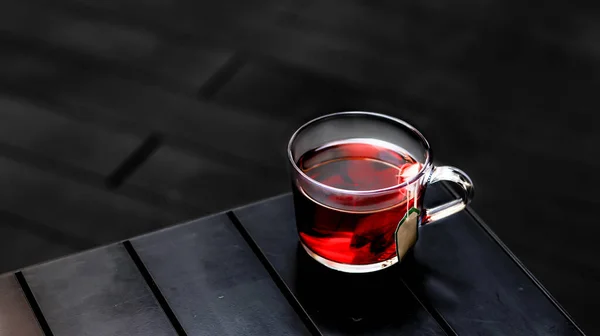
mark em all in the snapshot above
pixel 122 117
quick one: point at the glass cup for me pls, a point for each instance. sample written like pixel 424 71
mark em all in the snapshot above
pixel 358 181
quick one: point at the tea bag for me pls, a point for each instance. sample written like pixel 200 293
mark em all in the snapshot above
pixel 406 233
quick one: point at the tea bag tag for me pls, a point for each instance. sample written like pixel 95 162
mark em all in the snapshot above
pixel 406 232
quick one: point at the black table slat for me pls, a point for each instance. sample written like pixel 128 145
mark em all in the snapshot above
pixel 339 303
pixel 16 318
pixel 99 292
pixel 457 269
pixel 213 281
pixel 468 277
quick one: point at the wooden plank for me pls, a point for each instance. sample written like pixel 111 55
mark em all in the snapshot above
pixel 187 67
pixel 79 210
pixel 229 134
pixel 409 54
pixel 330 54
pixel 217 286
pixel 202 183
pixel 95 94
pixel 537 233
pixel 99 292
pixel 403 30
pixel 80 34
pixel 123 48
pixel 339 303
pixel 465 274
pixel 16 318
pixel 255 29
pixel 260 31
pixel 561 274
pixel 457 268
pixel 182 18
pixel 82 151
pixel 23 244
pixel 281 92
pixel 38 130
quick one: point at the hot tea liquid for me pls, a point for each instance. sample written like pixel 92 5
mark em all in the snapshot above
pixel 355 237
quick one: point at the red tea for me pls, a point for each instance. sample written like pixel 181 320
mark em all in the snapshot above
pixel 348 236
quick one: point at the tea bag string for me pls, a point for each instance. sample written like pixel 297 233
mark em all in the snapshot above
pixel 411 196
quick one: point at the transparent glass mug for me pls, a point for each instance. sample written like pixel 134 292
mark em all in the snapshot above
pixel 357 177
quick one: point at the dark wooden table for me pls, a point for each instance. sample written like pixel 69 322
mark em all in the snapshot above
pixel 242 273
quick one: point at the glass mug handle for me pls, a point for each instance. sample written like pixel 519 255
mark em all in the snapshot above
pixel 457 176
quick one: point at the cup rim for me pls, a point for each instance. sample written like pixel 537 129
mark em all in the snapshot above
pixel 424 168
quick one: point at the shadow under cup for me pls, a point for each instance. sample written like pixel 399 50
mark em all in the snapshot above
pixel 355 177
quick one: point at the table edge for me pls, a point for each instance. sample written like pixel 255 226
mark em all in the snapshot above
pixel 488 230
